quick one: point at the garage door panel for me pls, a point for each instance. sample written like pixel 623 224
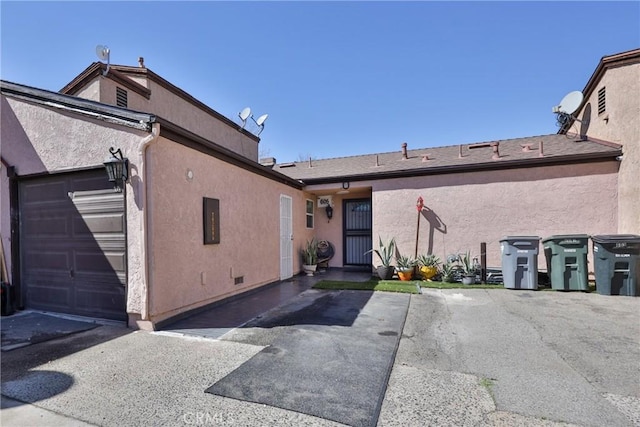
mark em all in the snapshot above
pixel 51 295
pixel 47 261
pixel 73 245
pixel 46 226
pixel 105 223
pixel 99 262
pixel 44 192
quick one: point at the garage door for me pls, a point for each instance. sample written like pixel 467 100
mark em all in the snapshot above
pixel 73 245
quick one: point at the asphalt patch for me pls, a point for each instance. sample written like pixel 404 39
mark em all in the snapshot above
pixel 332 360
pixel 21 330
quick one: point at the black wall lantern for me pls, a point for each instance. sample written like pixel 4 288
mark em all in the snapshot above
pixel 329 211
pixel 117 168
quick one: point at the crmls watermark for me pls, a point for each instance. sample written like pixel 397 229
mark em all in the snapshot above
pixel 205 418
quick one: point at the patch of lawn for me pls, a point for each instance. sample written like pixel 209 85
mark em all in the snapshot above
pixel 371 285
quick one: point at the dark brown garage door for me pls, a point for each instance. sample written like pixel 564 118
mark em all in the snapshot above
pixel 73 245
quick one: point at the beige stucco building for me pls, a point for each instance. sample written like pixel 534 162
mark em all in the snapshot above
pixel 200 219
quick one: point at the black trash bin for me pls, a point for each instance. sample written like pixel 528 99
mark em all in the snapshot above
pixel 617 264
pixel 520 261
pixel 7 299
pixel 566 257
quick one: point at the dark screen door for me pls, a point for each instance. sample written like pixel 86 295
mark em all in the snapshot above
pixel 357 231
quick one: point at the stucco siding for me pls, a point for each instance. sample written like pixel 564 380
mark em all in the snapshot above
pixel 91 91
pixel 619 124
pixel 463 210
pixel 186 273
pixel 175 109
pixel 39 140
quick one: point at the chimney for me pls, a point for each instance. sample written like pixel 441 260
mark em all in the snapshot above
pixel 269 162
pixel 404 151
pixel 496 152
pixel 141 62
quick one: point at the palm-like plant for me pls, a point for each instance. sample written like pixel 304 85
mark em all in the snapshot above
pixel 310 252
pixel 385 251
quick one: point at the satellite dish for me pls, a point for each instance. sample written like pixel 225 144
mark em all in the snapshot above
pixel 244 115
pixel 569 103
pixel 262 119
pixel 103 54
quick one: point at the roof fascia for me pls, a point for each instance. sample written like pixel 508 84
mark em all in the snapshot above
pixel 70 103
pixel 479 167
pixel 182 136
pixel 96 70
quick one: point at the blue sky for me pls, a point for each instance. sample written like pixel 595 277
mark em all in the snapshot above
pixel 338 78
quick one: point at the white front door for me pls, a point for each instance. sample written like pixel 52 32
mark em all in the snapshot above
pixel 286 237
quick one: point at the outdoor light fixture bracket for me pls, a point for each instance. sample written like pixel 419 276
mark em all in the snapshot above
pixel 117 168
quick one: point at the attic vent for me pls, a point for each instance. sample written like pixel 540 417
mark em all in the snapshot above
pixel 287 165
pixel 121 97
pixel 601 100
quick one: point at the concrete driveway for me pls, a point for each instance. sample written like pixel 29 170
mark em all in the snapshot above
pixel 466 357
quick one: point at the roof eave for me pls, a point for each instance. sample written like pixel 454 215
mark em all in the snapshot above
pixel 477 167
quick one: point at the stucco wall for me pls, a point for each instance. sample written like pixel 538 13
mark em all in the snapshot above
pixel 185 273
pixel 175 109
pixel 620 123
pixel 171 107
pixel 332 230
pixel 36 139
pixel 463 210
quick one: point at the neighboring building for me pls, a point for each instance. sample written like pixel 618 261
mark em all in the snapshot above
pixel 77 246
pixel 611 112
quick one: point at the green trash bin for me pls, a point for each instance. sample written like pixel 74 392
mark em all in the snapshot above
pixel 617 264
pixel 566 257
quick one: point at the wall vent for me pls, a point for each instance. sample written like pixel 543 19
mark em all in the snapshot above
pixel 238 280
pixel 602 100
pixel 121 97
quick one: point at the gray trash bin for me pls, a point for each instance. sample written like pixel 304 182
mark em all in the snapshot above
pixel 520 261
pixel 617 264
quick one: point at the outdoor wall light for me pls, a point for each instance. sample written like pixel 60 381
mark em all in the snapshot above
pixel 117 168
pixel 329 211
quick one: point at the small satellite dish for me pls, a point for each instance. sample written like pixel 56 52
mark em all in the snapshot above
pixel 244 115
pixel 569 103
pixel 262 119
pixel 103 53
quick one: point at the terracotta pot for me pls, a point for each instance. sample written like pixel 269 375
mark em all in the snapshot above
pixel 405 275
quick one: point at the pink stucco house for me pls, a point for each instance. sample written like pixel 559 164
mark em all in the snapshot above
pixel 201 219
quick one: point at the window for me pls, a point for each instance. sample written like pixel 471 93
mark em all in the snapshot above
pixel 121 97
pixel 310 213
pixel 602 100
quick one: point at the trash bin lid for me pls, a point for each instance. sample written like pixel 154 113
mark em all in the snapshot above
pixel 509 238
pixel 616 238
pixel 565 237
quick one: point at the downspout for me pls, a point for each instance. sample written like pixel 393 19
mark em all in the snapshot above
pixel 145 247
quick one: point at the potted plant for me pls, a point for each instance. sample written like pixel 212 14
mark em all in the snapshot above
pixel 429 266
pixel 447 272
pixel 468 269
pixel 405 266
pixel 310 257
pixel 385 252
